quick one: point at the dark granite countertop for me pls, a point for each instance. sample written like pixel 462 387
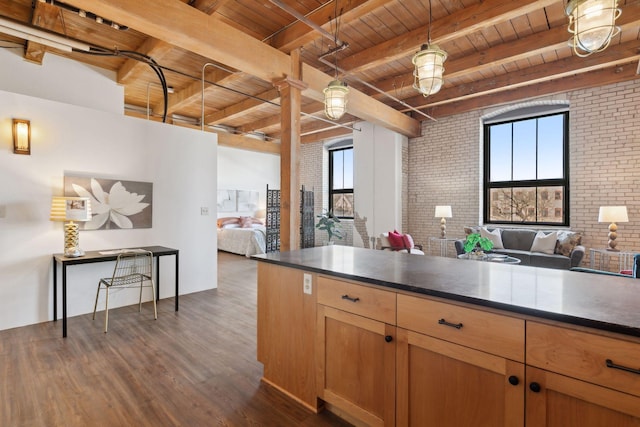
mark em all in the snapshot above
pixel 587 299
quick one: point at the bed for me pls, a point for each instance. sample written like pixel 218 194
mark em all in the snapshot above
pixel 241 236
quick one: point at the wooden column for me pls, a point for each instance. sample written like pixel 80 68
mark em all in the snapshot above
pixel 290 89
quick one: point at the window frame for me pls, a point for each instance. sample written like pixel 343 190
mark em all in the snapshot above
pixel 333 191
pixel 532 183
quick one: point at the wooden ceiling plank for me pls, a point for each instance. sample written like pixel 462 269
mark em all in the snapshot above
pixel 132 69
pixel 241 107
pixel 267 122
pixel 210 6
pixel 199 33
pixel 571 66
pixel 581 81
pixel 458 24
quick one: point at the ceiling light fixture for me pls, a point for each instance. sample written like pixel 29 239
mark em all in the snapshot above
pixel 429 63
pixel 335 95
pixel 592 23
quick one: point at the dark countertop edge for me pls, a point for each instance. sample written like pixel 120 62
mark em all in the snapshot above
pixel 579 321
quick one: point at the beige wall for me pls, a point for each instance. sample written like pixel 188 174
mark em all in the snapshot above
pixel 445 166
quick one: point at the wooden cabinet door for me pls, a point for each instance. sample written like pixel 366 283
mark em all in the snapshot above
pixel 356 366
pixel 448 385
pixel 555 400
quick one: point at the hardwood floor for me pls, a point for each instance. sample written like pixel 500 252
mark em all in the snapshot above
pixel 196 367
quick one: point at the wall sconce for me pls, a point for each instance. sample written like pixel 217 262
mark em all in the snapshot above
pixel 21 136
pixel 71 209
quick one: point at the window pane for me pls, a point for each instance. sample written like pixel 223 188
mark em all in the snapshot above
pixel 550 209
pixel 343 205
pixel 338 168
pixel 524 150
pixel 500 153
pixel 550 147
pixel 348 168
pixel 500 209
pixel 523 204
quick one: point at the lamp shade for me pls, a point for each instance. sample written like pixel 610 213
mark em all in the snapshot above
pixel 592 24
pixel 429 68
pixel 443 212
pixel 613 214
pixel 70 209
pixel 335 99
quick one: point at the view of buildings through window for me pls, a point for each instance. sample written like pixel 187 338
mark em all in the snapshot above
pixel 526 172
pixel 341 182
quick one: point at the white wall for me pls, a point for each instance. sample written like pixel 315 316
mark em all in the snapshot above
pixel 247 170
pixel 180 162
pixel 378 178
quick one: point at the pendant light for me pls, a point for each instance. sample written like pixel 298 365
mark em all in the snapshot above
pixel 335 95
pixel 592 23
pixel 429 63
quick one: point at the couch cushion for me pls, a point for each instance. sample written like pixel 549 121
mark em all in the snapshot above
pixel 550 261
pixel 544 242
pixel 494 236
pixel 518 238
pixel 567 241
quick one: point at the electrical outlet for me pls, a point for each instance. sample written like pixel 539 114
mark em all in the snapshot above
pixel 306 284
pixel 204 211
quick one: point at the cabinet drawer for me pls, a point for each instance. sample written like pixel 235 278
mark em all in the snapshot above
pixel 489 332
pixel 362 300
pixel 584 355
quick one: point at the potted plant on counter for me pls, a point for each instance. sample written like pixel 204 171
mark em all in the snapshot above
pixel 475 245
pixel 327 222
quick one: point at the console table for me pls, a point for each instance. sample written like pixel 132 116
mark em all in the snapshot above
pixel 440 243
pixel 94 257
pixel 625 259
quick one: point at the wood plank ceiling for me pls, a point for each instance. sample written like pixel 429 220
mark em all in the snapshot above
pixel 499 51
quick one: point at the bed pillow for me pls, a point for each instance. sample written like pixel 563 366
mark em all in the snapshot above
pixel 246 221
pixel 230 226
pixel 228 220
pixel 545 243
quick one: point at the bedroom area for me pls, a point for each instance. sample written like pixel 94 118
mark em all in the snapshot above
pixel 243 177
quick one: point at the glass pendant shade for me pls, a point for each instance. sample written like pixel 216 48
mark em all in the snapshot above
pixel 335 99
pixel 592 23
pixel 429 63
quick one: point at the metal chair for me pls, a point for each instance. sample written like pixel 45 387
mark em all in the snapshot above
pixel 132 270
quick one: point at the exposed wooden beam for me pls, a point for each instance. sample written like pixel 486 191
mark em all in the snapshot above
pixel 571 66
pixel 459 24
pixel 596 78
pixel 321 136
pixel 131 69
pixel 45 16
pixel 241 107
pixel 199 33
pixel 210 6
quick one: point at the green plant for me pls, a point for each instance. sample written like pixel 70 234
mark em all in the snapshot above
pixel 475 241
pixel 327 222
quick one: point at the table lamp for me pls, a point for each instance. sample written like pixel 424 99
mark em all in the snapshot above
pixel 613 214
pixel 71 209
pixel 443 212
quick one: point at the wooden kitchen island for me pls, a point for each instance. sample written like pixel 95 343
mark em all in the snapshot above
pixel 382 338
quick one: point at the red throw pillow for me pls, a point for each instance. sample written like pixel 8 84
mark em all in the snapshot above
pixel 408 241
pixel 396 240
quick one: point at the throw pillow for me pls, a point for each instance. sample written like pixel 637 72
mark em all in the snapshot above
pixel 395 239
pixel 246 221
pixel 494 236
pixel 408 241
pixel 545 243
pixel 567 241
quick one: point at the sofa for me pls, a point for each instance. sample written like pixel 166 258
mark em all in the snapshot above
pixel 533 247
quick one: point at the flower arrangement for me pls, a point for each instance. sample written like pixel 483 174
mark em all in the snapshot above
pixel 327 222
pixel 477 243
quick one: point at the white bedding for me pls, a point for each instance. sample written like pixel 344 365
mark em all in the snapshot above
pixel 243 241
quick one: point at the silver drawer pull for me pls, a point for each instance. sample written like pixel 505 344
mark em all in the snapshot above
pixel 612 365
pixel 356 299
pixel 453 325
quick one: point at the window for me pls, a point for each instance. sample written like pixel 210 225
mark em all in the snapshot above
pixel 526 172
pixel 341 182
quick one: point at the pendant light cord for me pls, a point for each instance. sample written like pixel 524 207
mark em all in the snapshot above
pixel 429 29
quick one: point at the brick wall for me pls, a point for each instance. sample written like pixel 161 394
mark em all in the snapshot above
pixel 445 167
